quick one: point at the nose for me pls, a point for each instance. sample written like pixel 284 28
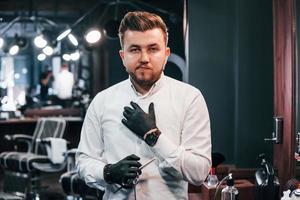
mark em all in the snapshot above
pixel 144 57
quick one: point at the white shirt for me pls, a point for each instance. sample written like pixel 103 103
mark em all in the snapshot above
pixel 63 84
pixel 182 152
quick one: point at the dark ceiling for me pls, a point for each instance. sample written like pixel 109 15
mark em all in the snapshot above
pixel 24 16
pixel 68 11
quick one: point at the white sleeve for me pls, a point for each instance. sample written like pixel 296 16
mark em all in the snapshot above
pixel 89 158
pixel 191 160
pixel 55 83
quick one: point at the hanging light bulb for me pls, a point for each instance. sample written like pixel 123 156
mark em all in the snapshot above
pixel 66 57
pixel 93 36
pixel 14 50
pixel 17 76
pixel 1 42
pixel 63 34
pixel 73 39
pixel 75 56
pixel 41 57
pixel 39 41
pixel 48 50
pixel 24 70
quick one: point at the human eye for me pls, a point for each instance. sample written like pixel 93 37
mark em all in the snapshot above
pixel 134 50
pixel 153 49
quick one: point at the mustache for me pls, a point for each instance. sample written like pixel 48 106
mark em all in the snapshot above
pixel 143 65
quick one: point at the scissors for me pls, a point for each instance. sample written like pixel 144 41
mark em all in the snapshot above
pixel 136 180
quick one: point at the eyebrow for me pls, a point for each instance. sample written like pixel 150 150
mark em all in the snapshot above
pixel 138 46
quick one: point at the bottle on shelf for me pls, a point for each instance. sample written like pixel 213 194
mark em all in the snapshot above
pixel 230 192
pixel 212 179
pixel 217 159
pixel 295 195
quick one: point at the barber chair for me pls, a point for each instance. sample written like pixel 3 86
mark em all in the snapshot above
pixel 73 186
pixel 23 171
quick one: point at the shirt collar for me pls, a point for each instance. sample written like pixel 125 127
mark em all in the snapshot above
pixel 154 88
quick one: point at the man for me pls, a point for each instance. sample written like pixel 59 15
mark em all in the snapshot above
pixel 148 118
pixel 63 85
pixel 45 78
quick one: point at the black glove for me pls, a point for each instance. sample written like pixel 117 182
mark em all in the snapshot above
pixel 123 172
pixel 137 120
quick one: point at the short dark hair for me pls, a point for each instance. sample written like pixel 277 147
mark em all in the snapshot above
pixel 64 65
pixel 141 21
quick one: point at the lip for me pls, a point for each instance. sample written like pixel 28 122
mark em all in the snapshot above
pixel 143 68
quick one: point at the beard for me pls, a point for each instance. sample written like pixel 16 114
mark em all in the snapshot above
pixel 142 79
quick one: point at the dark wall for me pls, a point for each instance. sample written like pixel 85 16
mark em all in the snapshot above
pixel 231 62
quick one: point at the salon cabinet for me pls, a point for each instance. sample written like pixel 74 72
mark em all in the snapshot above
pixel 204 192
pixel 244 181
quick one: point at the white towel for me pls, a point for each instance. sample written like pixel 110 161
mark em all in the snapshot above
pixel 56 150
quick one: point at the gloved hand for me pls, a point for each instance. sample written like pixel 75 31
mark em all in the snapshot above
pixel 137 120
pixel 123 172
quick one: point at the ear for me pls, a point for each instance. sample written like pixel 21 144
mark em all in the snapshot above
pixel 168 51
pixel 121 53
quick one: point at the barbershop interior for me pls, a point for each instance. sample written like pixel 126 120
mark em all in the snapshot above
pixel 57 55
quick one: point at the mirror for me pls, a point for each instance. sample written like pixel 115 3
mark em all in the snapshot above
pixel 95 65
pixel 28 72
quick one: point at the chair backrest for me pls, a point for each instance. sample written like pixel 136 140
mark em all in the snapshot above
pixel 47 127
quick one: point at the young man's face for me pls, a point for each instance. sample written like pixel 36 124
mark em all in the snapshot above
pixel 144 55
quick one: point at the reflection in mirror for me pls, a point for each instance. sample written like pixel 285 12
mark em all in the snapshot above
pixel 58 33
pixel 31 58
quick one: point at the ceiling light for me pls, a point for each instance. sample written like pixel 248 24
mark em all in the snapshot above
pixel 41 57
pixel 17 75
pixel 24 70
pixel 63 34
pixel 66 57
pixel 1 42
pixel 14 50
pixel 4 100
pixel 48 50
pixel 39 41
pixel 93 36
pixel 73 39
pixel 75 56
